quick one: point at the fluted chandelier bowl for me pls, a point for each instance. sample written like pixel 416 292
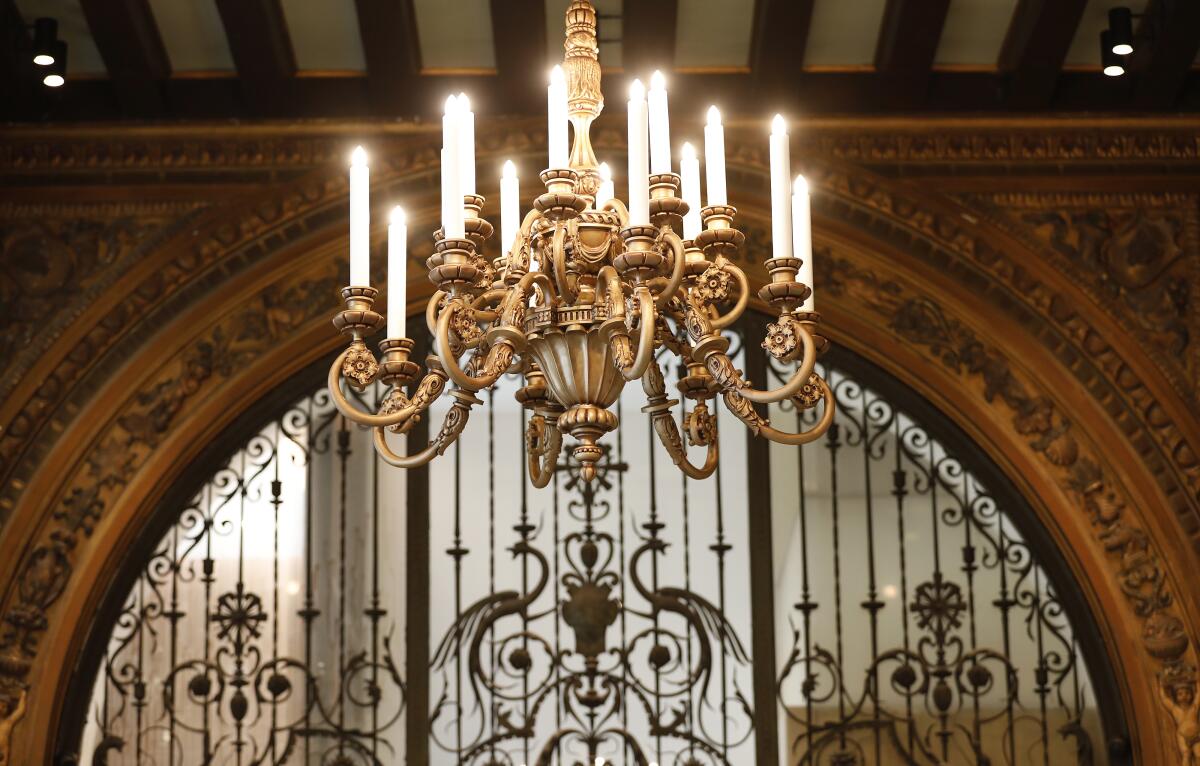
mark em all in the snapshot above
pixel 586 291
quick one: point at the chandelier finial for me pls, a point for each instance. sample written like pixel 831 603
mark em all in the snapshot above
pixel 581 64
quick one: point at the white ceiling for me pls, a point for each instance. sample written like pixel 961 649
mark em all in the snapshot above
pixel 193 35
pixel 83 58
pixel 974 32
pixel 325 35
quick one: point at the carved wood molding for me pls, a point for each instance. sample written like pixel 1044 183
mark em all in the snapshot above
pixel 221 246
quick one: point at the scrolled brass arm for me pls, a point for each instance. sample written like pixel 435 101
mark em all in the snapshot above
pixel 761 426
pixel 452 427
pixel 721 367
pixel 661 417
pixel 431 387
pixel 543 443
pixel 631 364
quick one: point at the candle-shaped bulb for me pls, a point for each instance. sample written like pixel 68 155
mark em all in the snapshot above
pixel 639 155
pixel 466 143
pixel 689 174
pixel 714 158
pixel 802 235
pixel 510 206
pixel 781 190
pixel 556 112
pixel 606 191
pixel 452 174
pixel 360 219
pixel 660 126
pixel 451 105
pixel 464 103
pixel 397 273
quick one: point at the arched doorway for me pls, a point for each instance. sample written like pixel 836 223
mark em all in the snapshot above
pixel 917 610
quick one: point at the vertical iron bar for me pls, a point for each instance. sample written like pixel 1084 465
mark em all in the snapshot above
pixel 343 454
pixel 276 499
pixel 872 604
pixel 624 574
pixel 806 605
pixel 375 611
pixel 762 565
pixel 832 443
pixel 900 491
pixel 416 605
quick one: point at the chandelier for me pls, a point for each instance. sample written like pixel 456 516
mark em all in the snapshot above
pixel 587 292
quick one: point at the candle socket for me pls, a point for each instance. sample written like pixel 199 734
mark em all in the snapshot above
pixel 560 202
pixel 452 266
pixel 812 322
pixel 698 384
pixel 641 259
pixel 478 230
pixel 694 262
pixel 395 369
pixel 719 237
pixel 359 319
pixel 667 208
pixel 783 291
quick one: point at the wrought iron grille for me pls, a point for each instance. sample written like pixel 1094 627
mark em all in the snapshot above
pixel 909 620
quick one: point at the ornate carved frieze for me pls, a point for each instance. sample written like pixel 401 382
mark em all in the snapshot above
pixel 1137 255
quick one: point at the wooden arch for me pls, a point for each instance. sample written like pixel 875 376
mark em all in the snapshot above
pixel 977 312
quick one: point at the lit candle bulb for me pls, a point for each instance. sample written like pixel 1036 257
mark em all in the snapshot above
pixel 397 277
pixel 606 191
pixel 781 176
pixel 452 196
pixel 689 172
pixel 802 236
pixel 510 206
pixel 660 126
pixel 360 220
pixel 639 179
pixel 466 143
pixel 556 108
pixel 714 158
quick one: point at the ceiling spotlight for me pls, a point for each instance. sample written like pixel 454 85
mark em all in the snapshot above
pixel 1120 31
pixel 45 35
pixel 56 77
pixel 1113 66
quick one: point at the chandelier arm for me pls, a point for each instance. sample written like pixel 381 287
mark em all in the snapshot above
pixel 544 442
pixel 761 426
pixel 431 310
pixel 558 257
pixel 428 391
pixel 499 356
pixel 721 321
pixel 668 292
pixel 636 368
pixel 663 421
pixel 452 427
pixel 618 207
pixel 721 367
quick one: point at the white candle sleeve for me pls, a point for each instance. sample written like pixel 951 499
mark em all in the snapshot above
pixel 689 172
pixel 802 236
pixel 781 183
pixel 556 109
pixel 639 180
pixel 510 207
pixel 466 143
pixel 452 196
pixel 397 276
pixel 660 126
pixel 360 220
pixel 714 158
pixel 607 191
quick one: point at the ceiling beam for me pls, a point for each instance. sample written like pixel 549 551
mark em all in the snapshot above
pixel 388 29
pixel 780 36
pixel 1167 41
pixel 908 42
pixel 133 53
pixel 14 73
pixel 522 53
pixel 648 36
pixel 1035 47
pixel 262 52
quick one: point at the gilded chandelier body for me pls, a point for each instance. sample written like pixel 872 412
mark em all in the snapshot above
pixel 581 305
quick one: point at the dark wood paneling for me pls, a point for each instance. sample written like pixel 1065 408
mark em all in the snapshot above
pixel 392 49
pixel 1166 45
pixel 777 48
pixel 262 51
pixel 1035 47
pixel 133 53
pixel 908 41
pixel 522 53
pixel 648 36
